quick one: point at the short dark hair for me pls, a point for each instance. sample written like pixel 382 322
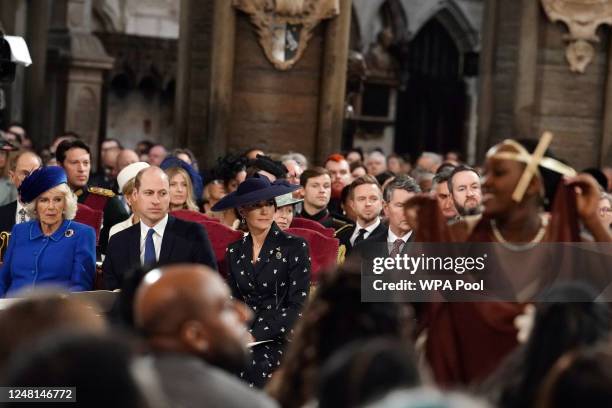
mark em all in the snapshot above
pixel 111 139
pixel 442 176
pixel 359 181
pixel 459 169
pixel 312 172
pixel 402 182
pixel 60 152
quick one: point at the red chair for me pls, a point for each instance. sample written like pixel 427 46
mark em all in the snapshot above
pixel 323 249
pixel 193 216
pixel 88 216
pixel 312 225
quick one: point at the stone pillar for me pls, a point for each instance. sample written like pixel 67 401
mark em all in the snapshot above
pixel 77 63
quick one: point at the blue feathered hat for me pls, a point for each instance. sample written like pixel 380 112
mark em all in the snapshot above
pixel 41 180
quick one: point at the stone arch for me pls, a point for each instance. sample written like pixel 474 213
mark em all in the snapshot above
pixel 451 15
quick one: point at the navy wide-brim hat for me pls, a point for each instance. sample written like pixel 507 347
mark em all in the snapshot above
pixel 252 190
pixel 196 179
pixel 41 180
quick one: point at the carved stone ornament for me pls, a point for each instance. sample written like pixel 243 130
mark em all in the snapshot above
pixel 284 27
pixel 582 18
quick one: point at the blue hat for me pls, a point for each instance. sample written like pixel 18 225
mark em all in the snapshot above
pixel 252 190
pixel 41 180
pixel 196 180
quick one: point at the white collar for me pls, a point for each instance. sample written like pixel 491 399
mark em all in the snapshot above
pixel 159 228
pixel 391 238
pixel 369 228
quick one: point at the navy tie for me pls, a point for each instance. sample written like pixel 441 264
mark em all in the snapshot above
pixel 149 253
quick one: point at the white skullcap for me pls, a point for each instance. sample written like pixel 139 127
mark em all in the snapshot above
pixel 129 172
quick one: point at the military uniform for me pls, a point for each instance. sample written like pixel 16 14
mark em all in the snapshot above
pixel 325 218
pixel 104 200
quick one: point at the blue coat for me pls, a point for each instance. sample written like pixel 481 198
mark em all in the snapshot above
pixel 66 258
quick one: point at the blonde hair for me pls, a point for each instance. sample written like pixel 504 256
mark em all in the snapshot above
pixel 70 203
pixel 189 202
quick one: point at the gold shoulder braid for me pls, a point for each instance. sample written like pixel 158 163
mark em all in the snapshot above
pixel 341 254
pixel 101 191
pixel 342 228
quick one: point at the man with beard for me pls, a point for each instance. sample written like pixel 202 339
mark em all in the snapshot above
pixel 340 172
pixel 366 200
pixel 317 183
pixel 197 332
pixel 464 186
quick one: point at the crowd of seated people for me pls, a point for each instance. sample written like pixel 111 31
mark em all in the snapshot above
pixel 240 285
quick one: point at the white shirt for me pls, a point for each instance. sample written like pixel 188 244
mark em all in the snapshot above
pixel 391 238
pixel 368 229
pixel 17 216
pixel 120 226
pixel 158 236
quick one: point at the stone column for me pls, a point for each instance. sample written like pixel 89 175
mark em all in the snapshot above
pixel 77 63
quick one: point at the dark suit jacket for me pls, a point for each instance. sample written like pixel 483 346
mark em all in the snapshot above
pixel 376 245
pixel 345 235
pixel 7 216
pixel 183 241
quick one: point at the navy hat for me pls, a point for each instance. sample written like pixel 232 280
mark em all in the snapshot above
pixel 41 180
pixel 252 190
pixel 196 180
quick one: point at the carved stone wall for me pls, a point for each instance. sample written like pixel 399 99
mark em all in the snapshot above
pixel 534 90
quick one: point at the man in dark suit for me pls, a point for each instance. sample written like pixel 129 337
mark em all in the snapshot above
pixel 392 241
pixel 20 167
pixel 159 238
pixel 366 200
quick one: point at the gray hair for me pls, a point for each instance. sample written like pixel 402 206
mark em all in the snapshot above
pixel 403 182
pixel 442 177
pixel 299 158
pixel 435 157
pixel 70 206
pixel 606 196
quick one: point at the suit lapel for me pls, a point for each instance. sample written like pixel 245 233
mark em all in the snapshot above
pixel 134 245
pixel 167 241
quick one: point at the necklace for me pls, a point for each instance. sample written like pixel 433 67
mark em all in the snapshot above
pixel 520 247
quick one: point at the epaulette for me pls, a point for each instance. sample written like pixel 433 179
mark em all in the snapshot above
pixel 101 191
pixel 342 228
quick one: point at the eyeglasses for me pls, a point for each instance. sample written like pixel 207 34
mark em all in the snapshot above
pixel 258 205
pixel 604 211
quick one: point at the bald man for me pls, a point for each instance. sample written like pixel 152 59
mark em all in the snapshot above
pixel 194 328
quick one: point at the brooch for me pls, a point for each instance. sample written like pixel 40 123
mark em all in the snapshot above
pixel 69 233
pixel 279 255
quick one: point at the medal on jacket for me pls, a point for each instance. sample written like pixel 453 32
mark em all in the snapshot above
pixel 69 233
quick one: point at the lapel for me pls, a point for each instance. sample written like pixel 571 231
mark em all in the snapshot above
pixel 269 248
pixel 134 244
pixel 167 241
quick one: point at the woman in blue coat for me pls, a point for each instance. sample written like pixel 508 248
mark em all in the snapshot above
pixel 51 249
pixel 269 270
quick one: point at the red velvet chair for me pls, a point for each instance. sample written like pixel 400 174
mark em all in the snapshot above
pixel 312 225
pixel 193 216
pixel 88 216
pixel 219 234
pixel 323 250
